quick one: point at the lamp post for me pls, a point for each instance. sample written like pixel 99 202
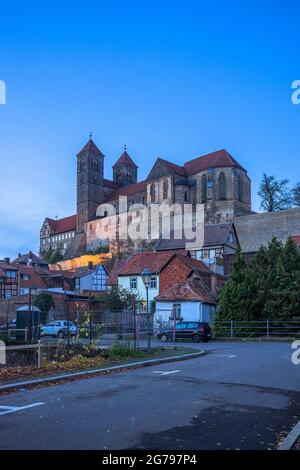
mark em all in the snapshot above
pixel 146 278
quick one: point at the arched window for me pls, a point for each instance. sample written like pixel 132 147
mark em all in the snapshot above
pixel 165 189
pixel 222 186
pixel 152 192
pixel 240 187
pixel 204 188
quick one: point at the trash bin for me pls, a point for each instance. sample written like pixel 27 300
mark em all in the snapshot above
pixel 24 321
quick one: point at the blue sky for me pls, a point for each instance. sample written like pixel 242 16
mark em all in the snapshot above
pixel 174 79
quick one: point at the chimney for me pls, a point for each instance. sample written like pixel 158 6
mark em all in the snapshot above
pixel 7 260
pixel 213 283
pixel 90 265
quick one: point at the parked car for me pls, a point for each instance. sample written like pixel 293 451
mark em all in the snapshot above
pixel 197 331
pixel 59 328
pixel 12 324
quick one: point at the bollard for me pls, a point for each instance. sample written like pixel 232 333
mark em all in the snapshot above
pixel 39 351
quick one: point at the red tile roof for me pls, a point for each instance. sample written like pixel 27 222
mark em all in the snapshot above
pixel 110 184
pixel 125 158
pixel 214 234
pixel 90 147
pixel 113 275
pixel 296 239
pixel 66 224
pixel 195 264
pixel 190 290
pixel 151 260
pixel 35 280
pixel 218 159
pixel 127 191
pixel 173 167
pixel 4 266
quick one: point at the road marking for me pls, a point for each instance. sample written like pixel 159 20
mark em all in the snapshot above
pixel 161 372
pixel 15 409
pixel 229 356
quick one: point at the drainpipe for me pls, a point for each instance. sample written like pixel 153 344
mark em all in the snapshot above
pixel 201 311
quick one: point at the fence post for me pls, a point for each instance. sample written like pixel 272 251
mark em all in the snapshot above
pixel 231 328
pixel 268 329
pixel 39 351
pixel 26 334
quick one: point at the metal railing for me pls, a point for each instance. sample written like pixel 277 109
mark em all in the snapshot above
pixel 255 329
pixel 12 332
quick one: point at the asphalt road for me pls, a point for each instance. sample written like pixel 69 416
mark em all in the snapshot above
pixel 239 396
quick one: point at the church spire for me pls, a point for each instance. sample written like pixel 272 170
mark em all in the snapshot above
pixel 90 147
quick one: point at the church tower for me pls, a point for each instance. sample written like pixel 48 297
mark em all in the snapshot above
pixel 125 170
pixel 90 188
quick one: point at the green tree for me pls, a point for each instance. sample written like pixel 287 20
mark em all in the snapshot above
pixel 234 298
pixel 266 288
pixel 57 255
pixel 275 194
pixel 47 254
pixel 118 298
pixel 283 300
pixel 44 301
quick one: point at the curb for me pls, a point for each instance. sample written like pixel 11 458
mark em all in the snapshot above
pixel 91 372
pixel 290 440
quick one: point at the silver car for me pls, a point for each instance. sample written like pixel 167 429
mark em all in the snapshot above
pixel 59 328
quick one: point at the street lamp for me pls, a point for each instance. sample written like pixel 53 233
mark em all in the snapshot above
pixel 146 278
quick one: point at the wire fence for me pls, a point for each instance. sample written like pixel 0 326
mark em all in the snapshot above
pixel 127 328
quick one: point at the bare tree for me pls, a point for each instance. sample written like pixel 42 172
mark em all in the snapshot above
pixel 120 248
pixel 275 194
pixel 296 195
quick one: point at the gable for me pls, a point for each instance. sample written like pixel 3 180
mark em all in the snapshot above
pixel 163 168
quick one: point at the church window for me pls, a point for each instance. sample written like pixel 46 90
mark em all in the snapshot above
pixel 82 164
pixel 222 186
pixel 240 187
pixel 204 188
pixel 165 189
pixel 153 192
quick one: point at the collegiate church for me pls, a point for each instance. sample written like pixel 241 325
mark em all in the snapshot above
pixel 216 180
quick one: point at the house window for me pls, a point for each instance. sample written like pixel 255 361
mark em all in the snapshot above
pixel 8 294
pixel 11 274
pixel 153 282
pixel 24 291
pixel 25 277
pixel 133 283
pixel 177 311
pixel 219 252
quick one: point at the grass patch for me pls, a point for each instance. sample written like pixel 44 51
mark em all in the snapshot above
pixel 120 354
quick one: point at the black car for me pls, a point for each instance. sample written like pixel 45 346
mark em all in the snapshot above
pixel 197 331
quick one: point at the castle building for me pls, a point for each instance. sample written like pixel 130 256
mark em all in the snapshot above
pixel 216 180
